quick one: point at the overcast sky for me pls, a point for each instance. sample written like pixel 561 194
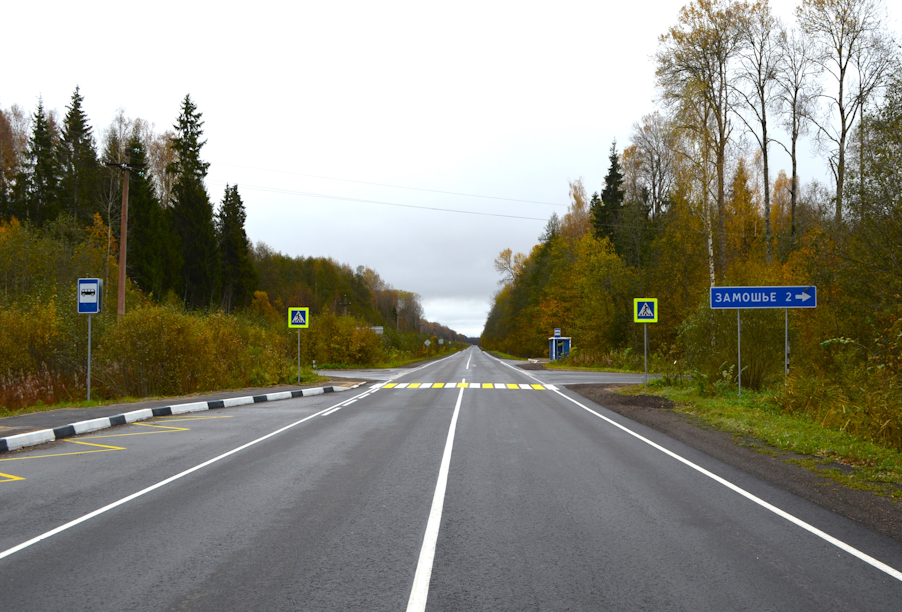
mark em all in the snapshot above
pixel 305 99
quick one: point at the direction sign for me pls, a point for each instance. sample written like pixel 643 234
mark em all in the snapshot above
pixel 90 295
pixel 764 297
pixel 645 310
pixel 427 343
pixel 298 317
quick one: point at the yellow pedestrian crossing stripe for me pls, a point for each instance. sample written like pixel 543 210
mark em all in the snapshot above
pixel 454 385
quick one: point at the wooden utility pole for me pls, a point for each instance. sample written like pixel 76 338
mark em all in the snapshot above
pixel 123 233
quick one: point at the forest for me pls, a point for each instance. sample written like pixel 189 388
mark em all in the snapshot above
pixel 205 308
pixel 693 201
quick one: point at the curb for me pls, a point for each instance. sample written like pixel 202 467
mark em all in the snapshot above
pixel 42 436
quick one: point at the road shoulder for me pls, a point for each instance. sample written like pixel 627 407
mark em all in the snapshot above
pixel 874 511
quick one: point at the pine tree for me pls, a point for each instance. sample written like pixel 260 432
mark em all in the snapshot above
pixel 192 212
pixel 39 200
pixel 239 279
pixel 79 168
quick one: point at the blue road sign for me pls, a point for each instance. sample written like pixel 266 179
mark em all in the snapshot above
pixel 90 295
pixel 298 317
pixel 764 297
pixel 557 332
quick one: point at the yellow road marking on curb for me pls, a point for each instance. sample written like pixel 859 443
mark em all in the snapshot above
pixel 103 446
pixel 10 477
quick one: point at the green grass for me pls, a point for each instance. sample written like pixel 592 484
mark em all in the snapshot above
pixel 397 362
pixel 868 466
pixel 501 355
pixel 307 377
pixel 563 365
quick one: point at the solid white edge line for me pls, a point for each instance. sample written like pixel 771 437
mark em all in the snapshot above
pixel 420 589
pixel 880 565
pixel 162 483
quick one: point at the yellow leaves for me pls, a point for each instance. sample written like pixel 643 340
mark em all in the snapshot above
pixel 9 228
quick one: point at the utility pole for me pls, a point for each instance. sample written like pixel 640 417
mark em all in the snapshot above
pixel 123 234
pixel 345 303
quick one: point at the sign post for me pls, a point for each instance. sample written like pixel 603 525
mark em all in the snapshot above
pixel 299 318
pixel 645 311
pixel 90 301
pixel 763 297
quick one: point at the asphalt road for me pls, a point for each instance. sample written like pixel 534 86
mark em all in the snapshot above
pixel 542 504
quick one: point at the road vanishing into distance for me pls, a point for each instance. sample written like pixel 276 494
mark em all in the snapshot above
pixel 496 490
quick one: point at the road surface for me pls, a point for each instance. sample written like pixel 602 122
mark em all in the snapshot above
pixel 518 496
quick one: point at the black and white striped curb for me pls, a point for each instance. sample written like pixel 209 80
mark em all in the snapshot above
pixel 33 438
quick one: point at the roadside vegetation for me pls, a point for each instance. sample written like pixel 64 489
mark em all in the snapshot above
pixel 205 309
pixel 694 201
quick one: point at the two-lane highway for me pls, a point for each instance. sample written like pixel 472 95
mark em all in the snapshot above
pixel 546 502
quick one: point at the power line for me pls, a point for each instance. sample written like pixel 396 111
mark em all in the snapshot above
pixel 329 178
pixel 345 199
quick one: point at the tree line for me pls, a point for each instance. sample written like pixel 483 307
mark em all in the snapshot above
pixel 179 247
pixel 691 202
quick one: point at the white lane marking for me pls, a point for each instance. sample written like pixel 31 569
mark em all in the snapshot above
pixel 420 590
pixel 162 483
pixel 468 361
pixel 880 565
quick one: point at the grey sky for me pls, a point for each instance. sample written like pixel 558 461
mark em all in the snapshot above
pixel 507 99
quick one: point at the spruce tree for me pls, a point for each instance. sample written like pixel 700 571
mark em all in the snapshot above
pixel 153 258
pixel 239 279
pixel 41 176
pixel 606 209
pixel 79 168
pixel 192 212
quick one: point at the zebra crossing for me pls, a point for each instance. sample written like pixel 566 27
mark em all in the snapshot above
pixel 465 385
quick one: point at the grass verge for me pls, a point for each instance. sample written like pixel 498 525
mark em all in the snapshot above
pixel 307 378
pixel 756 416
pixel 557 365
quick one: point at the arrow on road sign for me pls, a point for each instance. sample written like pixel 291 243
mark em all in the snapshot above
pixel 803 297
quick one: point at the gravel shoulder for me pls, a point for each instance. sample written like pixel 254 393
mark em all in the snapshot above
pixel 751 456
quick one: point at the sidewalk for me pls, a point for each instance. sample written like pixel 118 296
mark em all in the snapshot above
pixel 51 419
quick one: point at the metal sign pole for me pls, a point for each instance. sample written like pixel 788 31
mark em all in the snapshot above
pixel 646 354
pixel 739 346
pixel 786 347
pixel 299 355
pixel 89 357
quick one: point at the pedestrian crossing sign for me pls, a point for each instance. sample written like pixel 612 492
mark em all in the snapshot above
pixel 298 317
pixel 645 310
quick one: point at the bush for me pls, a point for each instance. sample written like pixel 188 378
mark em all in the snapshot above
pixel 709 339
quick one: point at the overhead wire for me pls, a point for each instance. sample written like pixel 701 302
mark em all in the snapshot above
pixel 455 193
pixel 363 201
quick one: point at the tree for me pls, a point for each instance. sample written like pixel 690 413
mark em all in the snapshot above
pixel 41 174
pixel 79 169
pixel 758 68
pixel 606 208
pixel 798 88
pixel 239 278
pixel 192 211
pixel 655 142
pixel 857 52
pixel 154 260
pixel 695 66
